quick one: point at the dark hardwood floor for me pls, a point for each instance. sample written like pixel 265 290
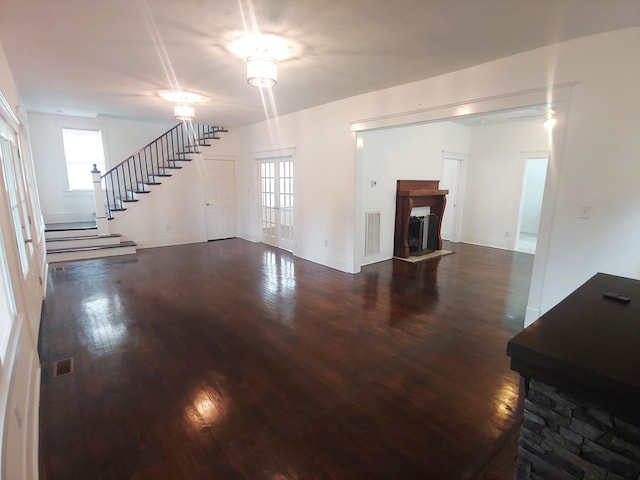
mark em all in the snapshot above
pixel 232 360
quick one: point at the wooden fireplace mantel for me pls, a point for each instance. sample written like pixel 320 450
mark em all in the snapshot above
pixel 416 193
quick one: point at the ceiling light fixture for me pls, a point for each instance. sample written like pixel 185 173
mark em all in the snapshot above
pixel 262 53
pixel 550 122
pixel 183 103
pixel 262 70
pixel 184 111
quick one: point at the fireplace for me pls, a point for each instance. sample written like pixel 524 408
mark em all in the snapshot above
pixel 419 209
pixel 422 234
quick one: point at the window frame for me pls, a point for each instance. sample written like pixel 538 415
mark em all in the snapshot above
pixel 101 165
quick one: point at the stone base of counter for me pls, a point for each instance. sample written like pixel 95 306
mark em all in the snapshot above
pixel 566 438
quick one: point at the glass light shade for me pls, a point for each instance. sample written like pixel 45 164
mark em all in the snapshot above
pixel 262 71
pixel 184 111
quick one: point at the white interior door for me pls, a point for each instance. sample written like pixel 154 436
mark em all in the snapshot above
pixel 277 202
pixel 220 199
pixel 451 174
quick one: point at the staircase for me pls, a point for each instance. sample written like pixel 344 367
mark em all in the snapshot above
pixel 124 184
pixel 81 240
pixel 128 181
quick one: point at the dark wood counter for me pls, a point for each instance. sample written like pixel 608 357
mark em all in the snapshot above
pixel 587 345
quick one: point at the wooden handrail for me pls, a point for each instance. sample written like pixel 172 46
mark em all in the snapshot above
pixel 215 130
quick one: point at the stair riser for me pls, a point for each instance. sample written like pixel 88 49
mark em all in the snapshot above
pixel 87 254
pixel 70 233
pixel 84 242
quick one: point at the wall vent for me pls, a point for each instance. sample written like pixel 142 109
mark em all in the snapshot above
pixel 372 234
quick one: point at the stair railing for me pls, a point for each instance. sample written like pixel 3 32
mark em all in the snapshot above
pixel 133 176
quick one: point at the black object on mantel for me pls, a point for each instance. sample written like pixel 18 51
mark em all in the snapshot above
pixel 587 345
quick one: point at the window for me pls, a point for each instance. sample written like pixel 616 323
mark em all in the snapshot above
pixel 82 149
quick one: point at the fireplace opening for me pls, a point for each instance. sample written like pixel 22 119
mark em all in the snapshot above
pixel 423 234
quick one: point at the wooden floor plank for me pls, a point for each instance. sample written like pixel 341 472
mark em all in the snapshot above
pixel 231 359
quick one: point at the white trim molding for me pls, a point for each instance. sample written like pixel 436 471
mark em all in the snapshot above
pixel 8 111
pixel 548 95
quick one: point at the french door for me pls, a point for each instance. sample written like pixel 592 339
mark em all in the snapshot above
pixel 276 202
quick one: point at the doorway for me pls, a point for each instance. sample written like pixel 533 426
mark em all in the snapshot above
pixel 220 198
pixel 535 174
pixel 452 167
pixel 277 202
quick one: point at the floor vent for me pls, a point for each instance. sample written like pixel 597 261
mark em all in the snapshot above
pixel 58 269
pixel 63 367
pixel 372 234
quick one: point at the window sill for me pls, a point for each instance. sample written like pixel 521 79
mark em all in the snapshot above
pixel 78 193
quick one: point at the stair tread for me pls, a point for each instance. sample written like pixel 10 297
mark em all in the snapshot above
pixel 127 243
pixel 93 237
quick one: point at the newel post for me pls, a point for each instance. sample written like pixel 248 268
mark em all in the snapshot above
pixel 102 222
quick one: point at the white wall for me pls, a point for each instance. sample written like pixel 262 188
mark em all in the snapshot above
pixel 120 138
pixel 413 152
pixel 592 159
pixel 495 175
pixel 20 365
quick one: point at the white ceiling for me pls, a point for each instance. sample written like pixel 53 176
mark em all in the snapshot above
pixel 113 57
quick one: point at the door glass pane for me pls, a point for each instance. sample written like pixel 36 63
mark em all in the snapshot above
pixel 7 302
pixel 267 170
pixel 286 200
pixel 12 187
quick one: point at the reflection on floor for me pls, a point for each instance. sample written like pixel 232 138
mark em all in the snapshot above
pixel 231 359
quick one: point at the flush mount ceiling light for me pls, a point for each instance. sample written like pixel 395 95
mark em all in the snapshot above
pixel 262 70
pixel 262 53
pixel 183 103
pixel 184 111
